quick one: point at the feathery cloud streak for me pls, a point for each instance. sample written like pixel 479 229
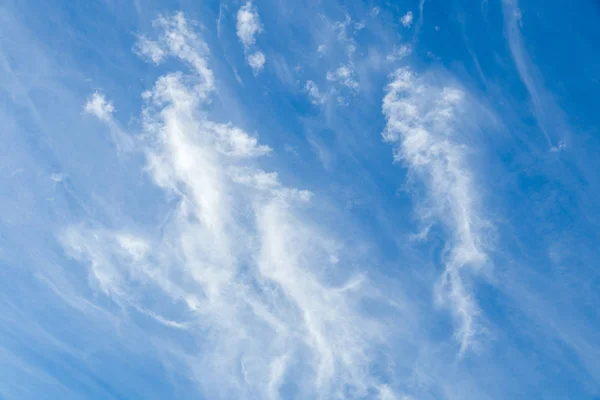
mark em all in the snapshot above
pixel 243 268
pixel 424 123
pixel 546 112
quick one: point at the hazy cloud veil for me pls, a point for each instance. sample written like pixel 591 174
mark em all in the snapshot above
pixel 298 200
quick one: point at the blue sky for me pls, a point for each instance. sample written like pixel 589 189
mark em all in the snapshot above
pixel 299 199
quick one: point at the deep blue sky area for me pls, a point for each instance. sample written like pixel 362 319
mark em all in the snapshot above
pixel 393 200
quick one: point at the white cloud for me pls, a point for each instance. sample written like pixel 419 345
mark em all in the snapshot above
pixel 248 27
pixel 241 268
pixel 248 24
pixel 345 35
pixel 57 178
pixel 407 19
pixel 385 393
pixel 548 114
pixel 432 56
pixel 150 50
pixel 257 61
pixel 344 75
pixel 178 40
pixel 400 52
pixel 338 41
pixel 559 147
pixel 518 15
pixel 359 26
pixel 342 28
pixel 232 141
pixel 422 123
pixel 98 106
pixel 315 95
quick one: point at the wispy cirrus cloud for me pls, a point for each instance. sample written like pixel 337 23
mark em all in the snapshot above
pixel 424 125
pixel 201 262
pixel 548 115
pixel 400 52
pixel 243 267
pixel 344 75
pixel 182 42
pixel 313 92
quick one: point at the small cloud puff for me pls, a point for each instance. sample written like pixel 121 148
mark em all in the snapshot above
pixel 359 25
pixel 559 147
pixel 150 50
pixel 315 95
pixel 407 19
pixel 98 106
pixel 400 52
pixel 345 76
pixel 248 24
pixel 257 61
pixel 233 141
pixel 57 178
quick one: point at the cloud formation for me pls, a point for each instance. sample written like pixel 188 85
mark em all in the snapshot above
pixel 248 27
pixel 316 97
pixel 248 24
pixel 98 106
pixel 198 265
pixel 243 269
pixel 344 75
pixel 257 61
pixel 400 52
pixel 424 125
pixel 407 19
pixel 548 115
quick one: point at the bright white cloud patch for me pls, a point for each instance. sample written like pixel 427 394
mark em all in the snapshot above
pixel 198 265
pixel 248 24
pixel 257 61
pixel 407 19
pixel 181 42
pixel 248 27
pixel 424 124
pixel 238 265
pixel 98 106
